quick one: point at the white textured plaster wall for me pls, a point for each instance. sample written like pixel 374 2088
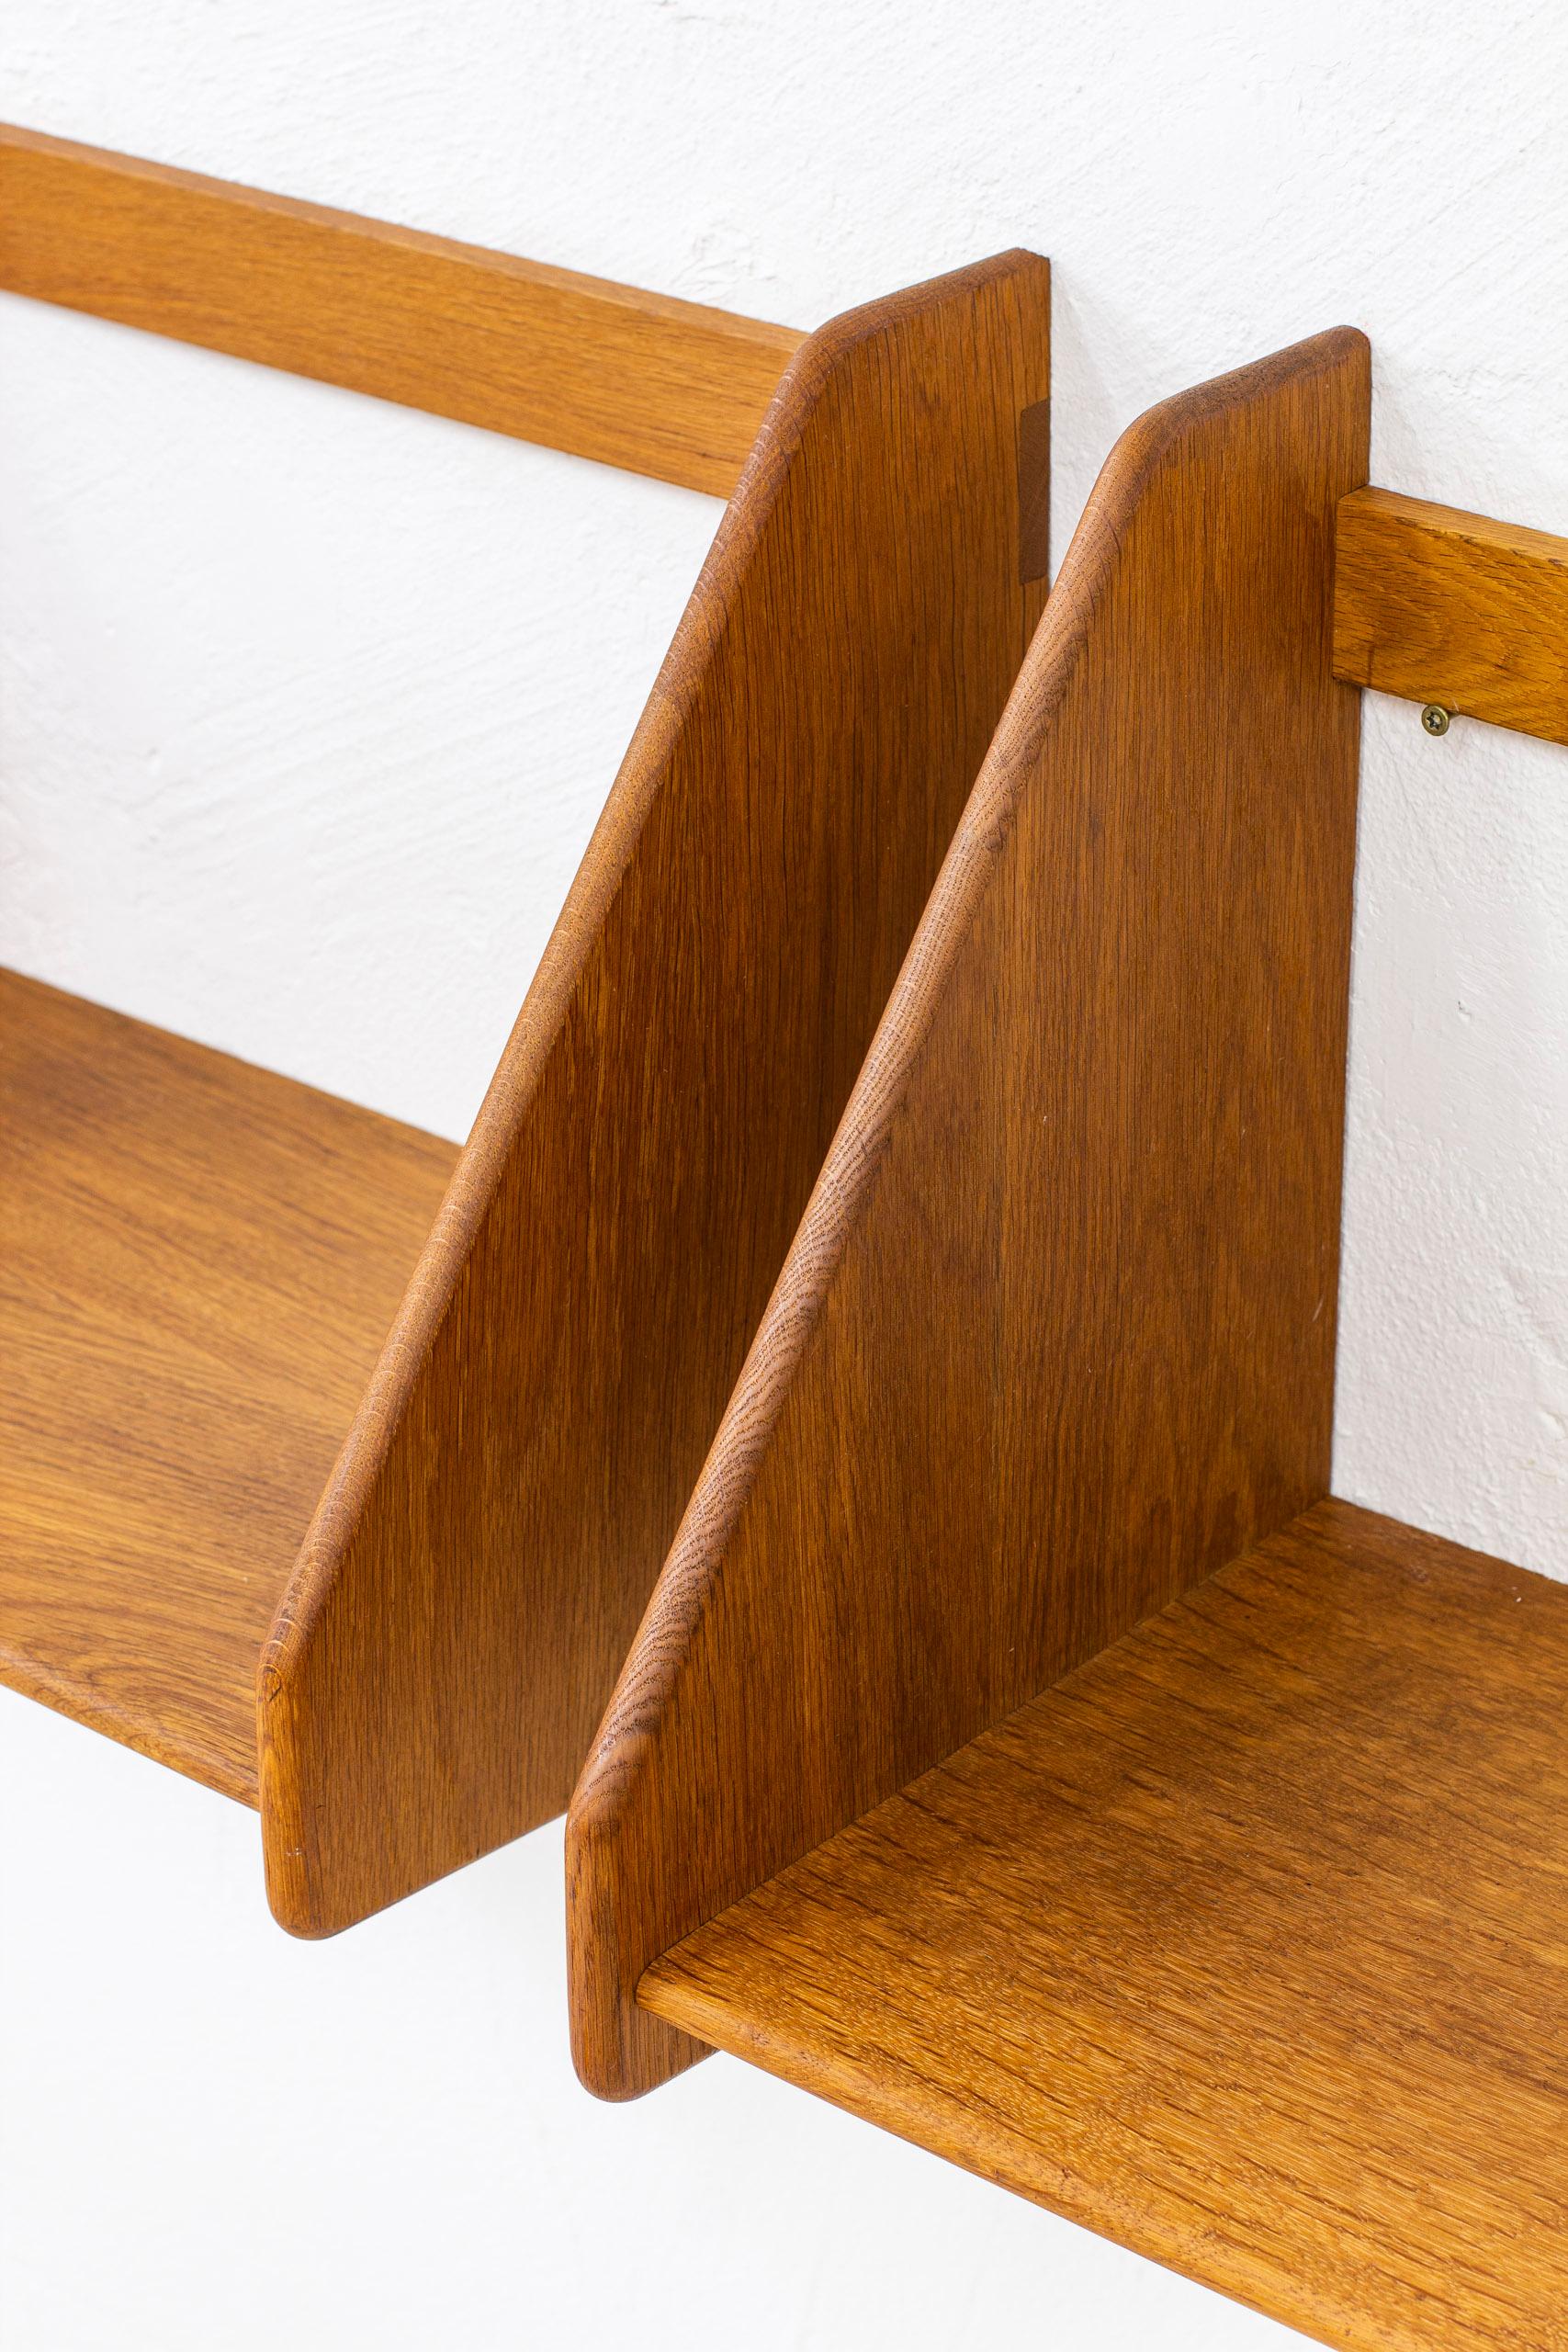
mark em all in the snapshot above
pixel 309 708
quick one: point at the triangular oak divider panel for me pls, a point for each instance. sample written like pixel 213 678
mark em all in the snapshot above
pixel 1056 1338
pixel 201 1260
pixel 1021 1748
pixel 516 1473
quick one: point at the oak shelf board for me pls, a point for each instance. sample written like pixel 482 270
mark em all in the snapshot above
pixel 1247 1944
pixel 199 1265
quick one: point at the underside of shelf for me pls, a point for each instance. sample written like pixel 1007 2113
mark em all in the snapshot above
pixel 199 1265
pixel 1245 1944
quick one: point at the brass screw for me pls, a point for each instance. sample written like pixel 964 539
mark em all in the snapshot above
pixel 1434 718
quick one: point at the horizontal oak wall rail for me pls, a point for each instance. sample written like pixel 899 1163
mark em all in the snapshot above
pixel 1445 607
pixel 640 380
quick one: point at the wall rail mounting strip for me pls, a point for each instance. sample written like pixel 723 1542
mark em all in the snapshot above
pixel 644 382
pixel 1453 609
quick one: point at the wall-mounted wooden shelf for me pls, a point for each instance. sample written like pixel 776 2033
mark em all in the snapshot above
pixel 1020 1749
pixel 375 1563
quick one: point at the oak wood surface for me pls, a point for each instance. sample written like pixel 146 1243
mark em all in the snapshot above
pixel 1453 608
pixel 1056 1338
pixel 199 1265
pixel 1245 1945
pixel 646 381
pixel 495 1525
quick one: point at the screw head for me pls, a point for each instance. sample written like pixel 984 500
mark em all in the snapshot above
pixel 1434 718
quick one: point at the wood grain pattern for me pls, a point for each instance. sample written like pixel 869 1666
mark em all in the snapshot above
pixel 1247 1945
pixel 1056 1338
pixel 1446 607
pixel 199 1265
pixel 641 380
pixel 495 1526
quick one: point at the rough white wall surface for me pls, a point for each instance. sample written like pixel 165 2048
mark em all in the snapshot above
pixel 309 708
